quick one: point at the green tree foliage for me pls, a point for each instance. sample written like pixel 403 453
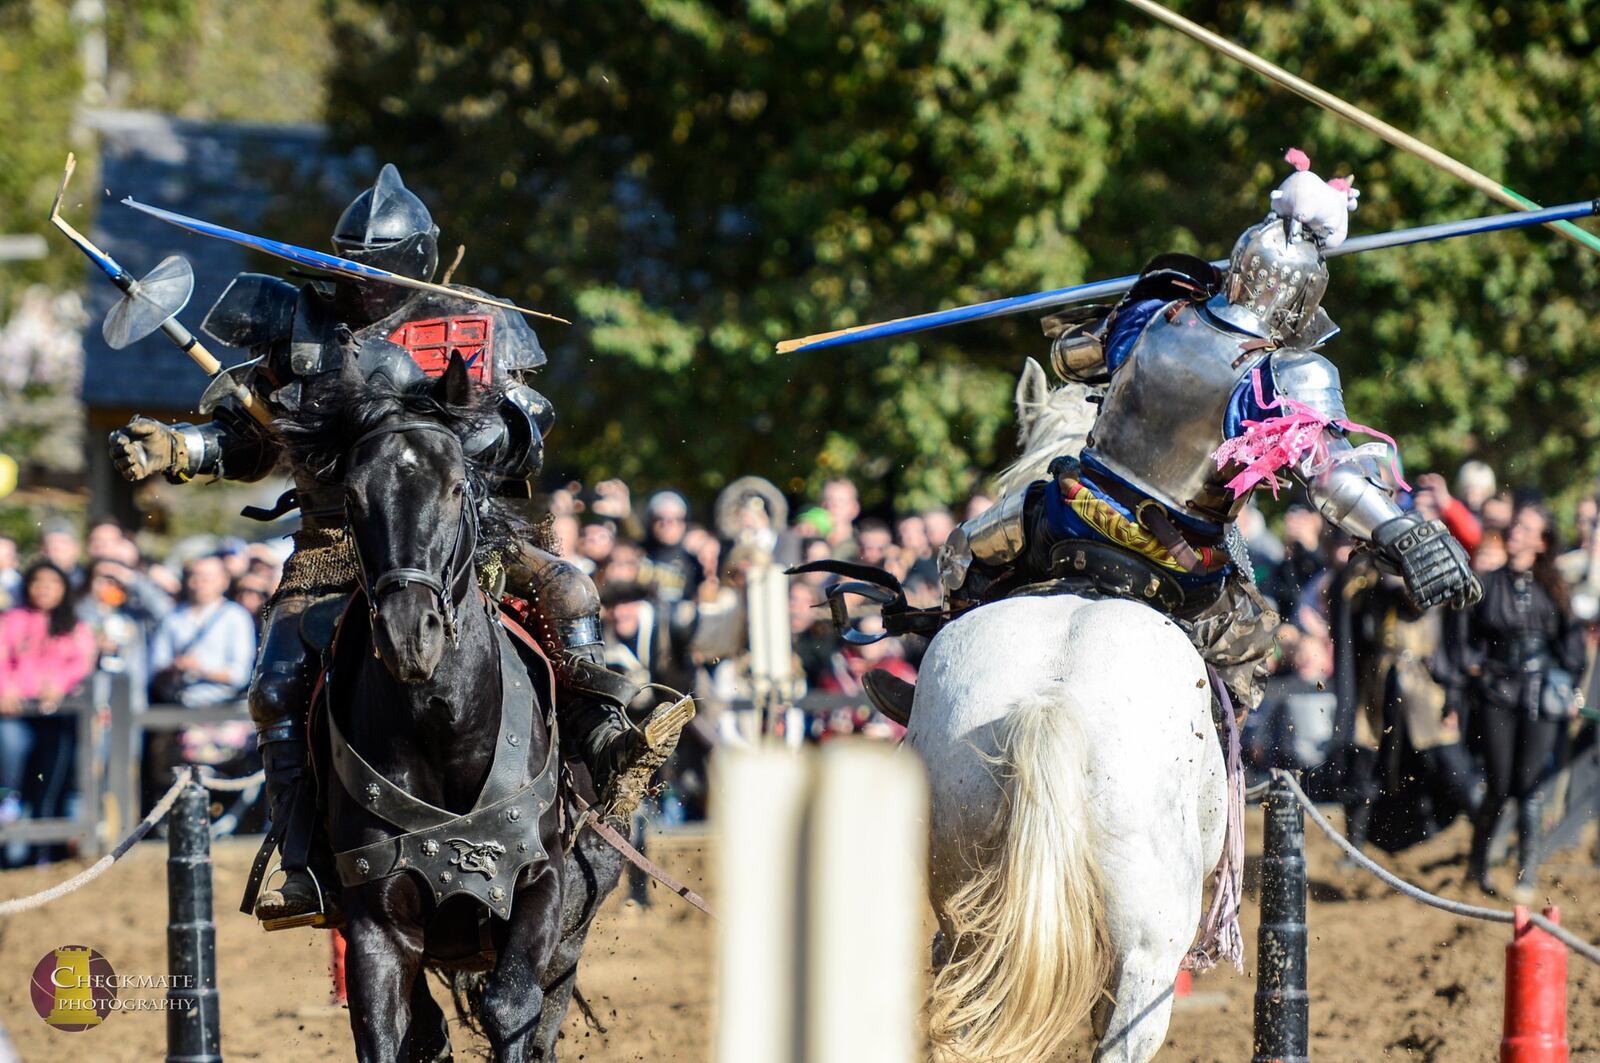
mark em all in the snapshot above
pixel 39 84
pixel 257 60
pixel 250 60
pixel 694 180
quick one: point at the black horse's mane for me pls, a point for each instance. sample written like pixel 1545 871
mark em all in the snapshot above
pixel 318 436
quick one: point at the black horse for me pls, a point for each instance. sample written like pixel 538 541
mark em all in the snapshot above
pixel 439 775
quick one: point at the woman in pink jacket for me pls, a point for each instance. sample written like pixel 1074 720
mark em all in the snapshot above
pixel 45 652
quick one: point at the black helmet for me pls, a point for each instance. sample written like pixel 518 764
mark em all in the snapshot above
pixel 388 227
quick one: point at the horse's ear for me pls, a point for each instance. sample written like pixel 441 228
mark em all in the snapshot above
pixel 1033 389
pixel 454 386
pixel 350 374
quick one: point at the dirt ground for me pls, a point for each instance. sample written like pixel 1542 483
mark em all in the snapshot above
pixel 1390 980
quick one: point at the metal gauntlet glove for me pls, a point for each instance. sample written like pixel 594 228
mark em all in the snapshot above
pixel 1428 558
pixel 146 447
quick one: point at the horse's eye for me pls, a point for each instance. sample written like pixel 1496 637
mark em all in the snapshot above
pixel 458 489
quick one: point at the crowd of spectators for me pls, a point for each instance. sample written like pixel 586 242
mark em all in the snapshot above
pixel 1407 720
pixel 1410 720
pixel 180 630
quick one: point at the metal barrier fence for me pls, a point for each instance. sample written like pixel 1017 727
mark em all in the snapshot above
pixel 82 828
pixel 131 721
pixel 113 720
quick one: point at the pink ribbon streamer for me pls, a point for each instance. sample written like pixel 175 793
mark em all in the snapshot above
pixel 1266 447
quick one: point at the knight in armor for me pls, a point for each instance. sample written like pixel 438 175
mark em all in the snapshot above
pixel 1213 384
pixel 300 339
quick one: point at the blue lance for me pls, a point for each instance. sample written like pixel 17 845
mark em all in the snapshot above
pixel 1088 293
pixel 304 256
pixel 150 302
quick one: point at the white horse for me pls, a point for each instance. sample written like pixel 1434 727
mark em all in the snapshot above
pixel 1079 803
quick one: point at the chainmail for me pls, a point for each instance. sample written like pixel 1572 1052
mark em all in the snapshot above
pixel 1239 552
pixel 323 562
pixel 542 533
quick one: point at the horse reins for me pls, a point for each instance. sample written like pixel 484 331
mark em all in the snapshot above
pixel 456 568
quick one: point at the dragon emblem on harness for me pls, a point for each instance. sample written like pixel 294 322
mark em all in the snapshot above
pixel 475 856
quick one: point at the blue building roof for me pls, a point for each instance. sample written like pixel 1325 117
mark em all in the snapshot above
pixel 283 181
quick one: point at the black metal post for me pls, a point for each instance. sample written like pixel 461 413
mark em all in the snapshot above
pixel 1283 1027
pixel 194 1026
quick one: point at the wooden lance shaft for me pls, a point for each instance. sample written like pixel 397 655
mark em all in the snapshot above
pixel 1351 113
pixel 186 341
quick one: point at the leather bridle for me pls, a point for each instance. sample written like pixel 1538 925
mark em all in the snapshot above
pixel 454 587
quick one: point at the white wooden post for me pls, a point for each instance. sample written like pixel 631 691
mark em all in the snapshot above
pixel 822 888
pixel 771 643
pixel 759 801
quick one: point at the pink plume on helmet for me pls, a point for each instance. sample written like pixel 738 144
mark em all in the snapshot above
pixel 1298 159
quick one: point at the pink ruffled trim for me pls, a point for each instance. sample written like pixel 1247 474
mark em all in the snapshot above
pixel 1266 447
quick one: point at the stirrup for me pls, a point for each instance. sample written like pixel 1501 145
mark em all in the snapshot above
pixel 318 918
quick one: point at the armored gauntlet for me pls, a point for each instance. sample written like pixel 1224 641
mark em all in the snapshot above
pixel 1428 558
pixel 145 447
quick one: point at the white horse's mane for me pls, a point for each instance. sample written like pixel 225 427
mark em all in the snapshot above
pixel 1049 423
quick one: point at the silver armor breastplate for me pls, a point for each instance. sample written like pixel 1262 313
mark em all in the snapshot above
pixel 1163 415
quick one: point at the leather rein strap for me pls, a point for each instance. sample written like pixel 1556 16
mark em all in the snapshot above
pixel 454 588
pixel 621 844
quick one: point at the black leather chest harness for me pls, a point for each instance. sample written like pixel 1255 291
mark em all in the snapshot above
pixel 479 852
pixel 482 851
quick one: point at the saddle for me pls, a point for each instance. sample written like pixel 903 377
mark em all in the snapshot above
pixel 1100 570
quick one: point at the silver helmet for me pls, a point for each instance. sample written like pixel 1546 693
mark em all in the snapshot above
pixel 1274 284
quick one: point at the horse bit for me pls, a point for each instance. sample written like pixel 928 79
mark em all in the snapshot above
pixel 466 530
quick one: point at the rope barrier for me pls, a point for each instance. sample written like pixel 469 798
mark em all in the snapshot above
pixel 1471 911
pixel 230 785
pixel 145 826
pixel 100 866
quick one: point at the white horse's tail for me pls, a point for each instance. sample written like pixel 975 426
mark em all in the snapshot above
pixel 1031 953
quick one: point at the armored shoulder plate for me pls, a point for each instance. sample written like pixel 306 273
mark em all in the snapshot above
pixel 253 310
pixel 1308 377
pixel 310 335
pixel 533 405
pixel 1317 331
pixel 518 348
pixel 387 362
